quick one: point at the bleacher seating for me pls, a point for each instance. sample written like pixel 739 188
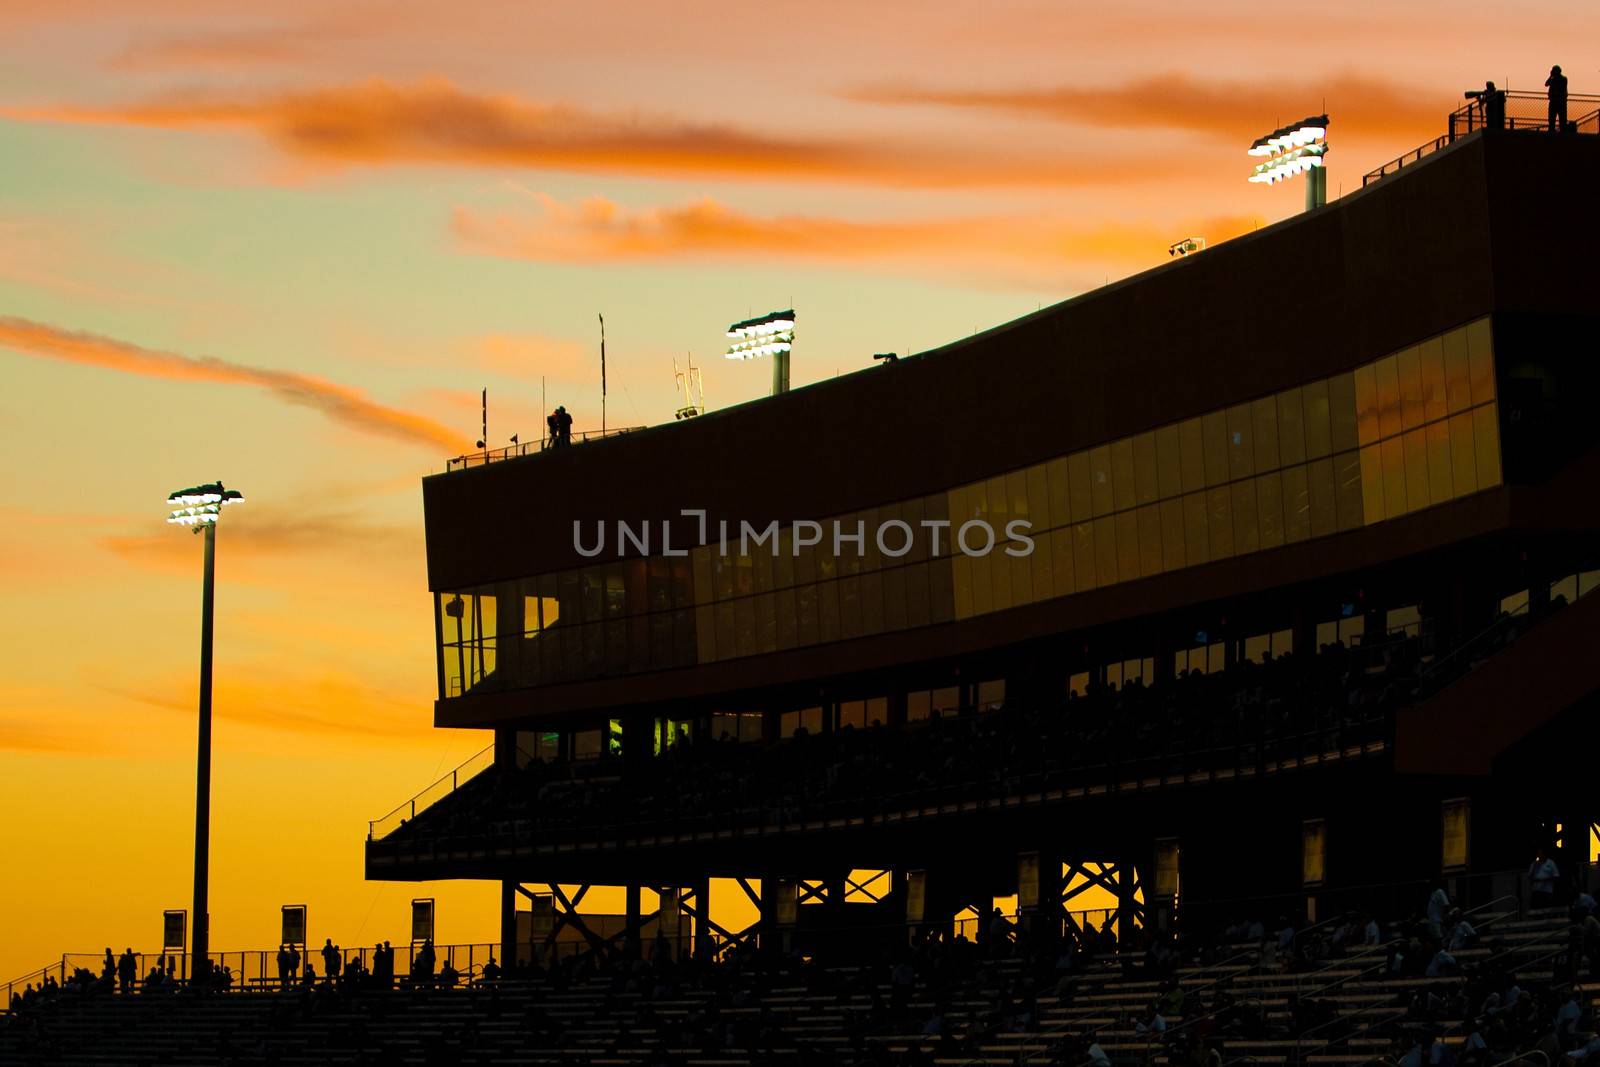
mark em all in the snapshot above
pixel 954 1005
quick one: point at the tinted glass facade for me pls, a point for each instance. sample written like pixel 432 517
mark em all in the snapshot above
pixel 1413 429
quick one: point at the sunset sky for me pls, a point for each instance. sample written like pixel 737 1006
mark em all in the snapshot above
pixel 286 243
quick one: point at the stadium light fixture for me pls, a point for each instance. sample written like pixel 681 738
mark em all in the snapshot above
pixel 1186 247
pixel 1299 148
pixel 772 335
pixel 199 507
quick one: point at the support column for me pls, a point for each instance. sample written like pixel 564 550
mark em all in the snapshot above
pixel 508 923
pixel 632 919
pixel 1125 903
pixel 702 906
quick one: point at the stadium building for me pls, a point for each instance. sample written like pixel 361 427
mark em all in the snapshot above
pixel 1302 529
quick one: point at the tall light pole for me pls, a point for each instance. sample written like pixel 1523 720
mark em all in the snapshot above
pixel 1298 148
pixel 767 335
pixel 199 507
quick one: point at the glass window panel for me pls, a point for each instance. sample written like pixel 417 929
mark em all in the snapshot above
pixel 1314 399
pixel 682 637
pixel 1264 426
pixel 828 611
pixel 1296 504
pixel 1394 478
pixel 1083 557
pixel 682 583
pixel 658 594
pixel 1150 540
pixel 1219 522
pixel 1324 496
pixel 850 611
pixel 1386 371
pixel 722 575
pixel 1078 486
pixel 1416 452
pixel 1480 361
pixel 940 597
pixel 997 564
pixel 1169 462
pixel 961 573
pixel 766 622
pixel 1342 413
pixel 912 513
pixel 918 612
pixel 1020 566
pixel 1430 355
pixel 1438 462
pixel 1215 428
pixel 761 567
pixel 639 642
pixel 1486 436
pixel 1036 505
pixel 982 584
pixel 1246 523
pixel 1291 428
pixel 1145 478
pixel 1060 497
pixel 594 649
pixel 704 587
pixel 1105 551
pixel 894 598
pixel 1408 366
pixel 784 605
pixel 1457 371
pixel 1123 483
pixel 1100 487
pixel 1127 526
pixel 1241 449
pixel 1366 475
pixel 1367 421
pixel 1063 580
pixel 918 705
pixel 1191 439
pixel 1269 509
pixel 706 634
pixel 1196 530
pixel 807 612
pixel 1172 535
pixel 936 508
pixel 744 617
pixel 872 556
pixel 1463 455
pixel 1042 565
pixel 805 564
pixel 783 562
pixel 847 556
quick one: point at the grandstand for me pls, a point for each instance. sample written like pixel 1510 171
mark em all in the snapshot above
pixel 1246 760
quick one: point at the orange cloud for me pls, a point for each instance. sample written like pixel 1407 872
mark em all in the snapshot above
pixel 343 404
pixel 599 230
pixel 273 533
pixel 1230 109
pixel 435 122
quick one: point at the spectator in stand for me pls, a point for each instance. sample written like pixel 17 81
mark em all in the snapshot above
pixel 108 966
pixel 491 970
pixel 330 958
pixel 283 965
pixel 127 970
pixel 294 963
pixel 1438 911
pixel 1543 875
pixel 1462 933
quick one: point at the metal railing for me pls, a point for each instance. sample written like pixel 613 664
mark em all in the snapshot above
pixel 469 769
pixel 529 448
pixel 1521 111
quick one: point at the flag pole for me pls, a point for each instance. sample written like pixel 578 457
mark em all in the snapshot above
pixel 602 375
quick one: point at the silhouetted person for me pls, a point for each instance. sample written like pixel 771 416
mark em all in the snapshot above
pixel 552 424
pixel 1556 85
pixel 1494 106
pixel 491 970
pixel 108 967
pixel 294 962
pixel 331 959
pixel 127 970
pixel 564 426
pixel 283 965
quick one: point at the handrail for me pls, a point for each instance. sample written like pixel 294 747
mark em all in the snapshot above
pixel 1471 117
pixel 410 806
pixel 529 448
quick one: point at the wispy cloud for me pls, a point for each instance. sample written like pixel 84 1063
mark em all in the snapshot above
pixel 274 532
pixel 1231 109
pixel 434 121
pixel 598 230
pixel 348 406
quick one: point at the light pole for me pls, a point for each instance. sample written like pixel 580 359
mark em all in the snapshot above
pixel 1299 148
pixel 199 507
pixel 767 335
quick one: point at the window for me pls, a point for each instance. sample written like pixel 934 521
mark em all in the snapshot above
pixel 742 726
pixel 808 719
pixel 1313 852
pixel 1454 827
pixel 991 694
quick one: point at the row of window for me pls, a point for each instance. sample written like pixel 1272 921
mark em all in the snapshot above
pixel 1405 432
